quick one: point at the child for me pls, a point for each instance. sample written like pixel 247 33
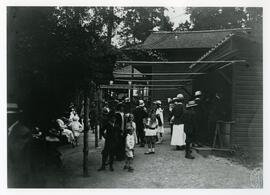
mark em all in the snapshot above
pixel 77 128
pixel 130 143
pixel 132 125
pixel 151 125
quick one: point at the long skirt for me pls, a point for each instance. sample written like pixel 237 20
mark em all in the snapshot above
pixel 69 134
pixel 178 135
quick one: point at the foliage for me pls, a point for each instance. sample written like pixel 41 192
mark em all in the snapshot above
pixel 208 18
pixel 138 22
pixel 211 18
pixel 54 53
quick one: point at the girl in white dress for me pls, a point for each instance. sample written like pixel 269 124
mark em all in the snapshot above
pixel 151 125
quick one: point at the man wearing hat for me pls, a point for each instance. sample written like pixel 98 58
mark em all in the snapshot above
pixel 18 147
pixel 189 126
pixel 178 134
pixel 171 105
pixel 200 117
pixel 140 113
pixel 160 118
pixel 120 122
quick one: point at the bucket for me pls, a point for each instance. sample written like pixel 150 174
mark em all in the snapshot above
pixel 225 131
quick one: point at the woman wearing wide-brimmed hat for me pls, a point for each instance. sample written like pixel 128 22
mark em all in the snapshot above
pixel 178 134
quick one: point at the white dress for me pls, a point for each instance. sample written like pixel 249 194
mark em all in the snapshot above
pixel 130 143
pixel 153 130
pixel 159 112
pixel 178 135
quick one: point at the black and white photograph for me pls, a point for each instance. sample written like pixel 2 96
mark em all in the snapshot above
pixel 134 97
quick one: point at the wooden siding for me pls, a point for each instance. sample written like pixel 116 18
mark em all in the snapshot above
pixel 248 99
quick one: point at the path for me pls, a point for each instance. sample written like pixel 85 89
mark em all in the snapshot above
pixel 165 169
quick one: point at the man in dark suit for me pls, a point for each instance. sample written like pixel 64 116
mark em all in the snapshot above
pixel 189 119
pixel 140 113
pixel 109 132
pixel 120 122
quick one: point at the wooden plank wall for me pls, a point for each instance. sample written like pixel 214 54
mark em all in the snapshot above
pixel 248 100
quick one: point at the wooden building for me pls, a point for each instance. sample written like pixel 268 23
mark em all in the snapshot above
pixel 232 91
pixel 240 87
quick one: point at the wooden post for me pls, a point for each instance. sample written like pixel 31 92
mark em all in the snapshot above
pixel 96 112
pixel 86 132
pixel 131 94
pixel 99 113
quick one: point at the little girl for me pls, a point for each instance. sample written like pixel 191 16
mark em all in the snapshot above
pixel 130 143
pixel 151 125
pixel 132 125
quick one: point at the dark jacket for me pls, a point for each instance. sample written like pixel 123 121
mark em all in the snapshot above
pixel 189 119
pixel 110 133
pixel 139 114
pixel 120 121
pixel 178 112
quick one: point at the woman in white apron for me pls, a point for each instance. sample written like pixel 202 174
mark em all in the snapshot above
pixel 178 134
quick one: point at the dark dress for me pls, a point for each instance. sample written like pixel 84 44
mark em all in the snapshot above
pixel 139 114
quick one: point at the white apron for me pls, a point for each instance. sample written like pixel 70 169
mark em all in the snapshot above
pixel 178 135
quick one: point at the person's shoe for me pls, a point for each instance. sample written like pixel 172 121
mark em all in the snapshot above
pixel 147 153
pixel 182 147
pixel 102 169
pixel 178 148
pixel 158 142
pixel 152 152
pixel 188 156
pixel 125 167
pixel 142 145
pixel 130 169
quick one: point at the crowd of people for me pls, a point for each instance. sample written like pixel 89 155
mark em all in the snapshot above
pixel 123 129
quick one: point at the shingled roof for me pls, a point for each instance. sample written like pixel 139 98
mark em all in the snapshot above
pixel 185 39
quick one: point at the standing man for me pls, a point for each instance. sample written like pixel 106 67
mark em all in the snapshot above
pixel 178 135
pixel 140 113
pixel 160 118
pixel 120 122
pixel 171 105
pixel 109 132
pixel 201 118
pixel 189 126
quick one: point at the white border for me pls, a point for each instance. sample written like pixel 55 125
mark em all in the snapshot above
pixel 167 3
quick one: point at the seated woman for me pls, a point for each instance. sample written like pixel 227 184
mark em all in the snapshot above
pixel 76 127
pixel 65 131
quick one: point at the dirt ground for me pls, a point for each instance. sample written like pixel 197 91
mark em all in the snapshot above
pixel 167 168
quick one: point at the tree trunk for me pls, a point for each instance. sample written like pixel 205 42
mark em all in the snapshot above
pixel 110 26
pixel 86 132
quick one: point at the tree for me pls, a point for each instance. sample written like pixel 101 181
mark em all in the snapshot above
pixel 210 18
pixel 138 22
pixel 55 52
pixel 185 26
pixel 63 48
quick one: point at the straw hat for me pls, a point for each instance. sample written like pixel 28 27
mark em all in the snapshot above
pixel 157 102
pixel 141 103
pixel 12 108
pixel 180 96
pixel 198 93
pixel 191 104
